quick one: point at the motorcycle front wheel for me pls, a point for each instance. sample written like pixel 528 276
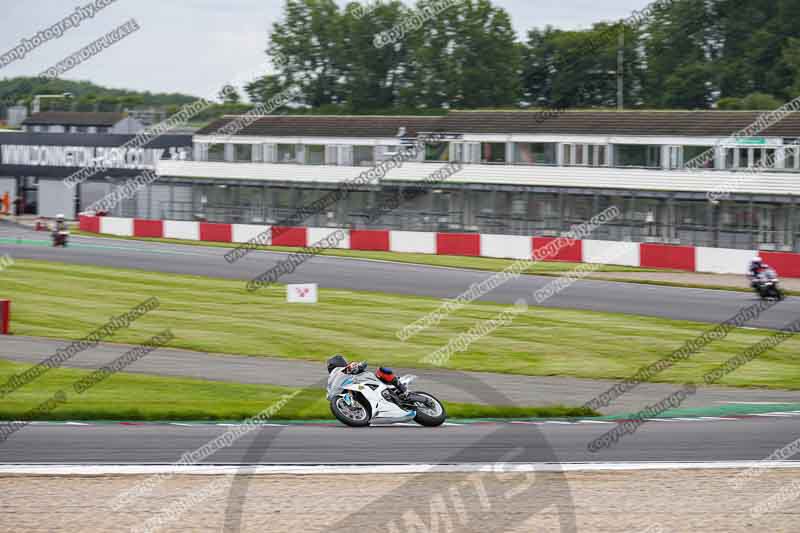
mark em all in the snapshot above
pixel 354 414
pixel 430 412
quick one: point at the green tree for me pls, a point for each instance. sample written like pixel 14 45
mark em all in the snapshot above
pixel 372 77
pixel 579 68
pixel 680 47
pixel 308 42
pixel 465 57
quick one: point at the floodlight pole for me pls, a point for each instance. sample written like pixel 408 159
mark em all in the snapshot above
pixel 621 69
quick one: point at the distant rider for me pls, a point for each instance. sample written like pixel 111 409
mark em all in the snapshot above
pixel 61 225
pixel 754 271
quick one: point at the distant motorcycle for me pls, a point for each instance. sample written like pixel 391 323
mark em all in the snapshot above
pixel 362 399
pixel 60 238
pixel 767 285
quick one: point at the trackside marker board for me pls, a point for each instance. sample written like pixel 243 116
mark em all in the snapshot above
pixel 303 293
pixel 5 316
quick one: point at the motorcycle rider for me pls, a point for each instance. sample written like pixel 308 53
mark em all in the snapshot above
pixel 338 365
pixel 753 272
pixel 61 225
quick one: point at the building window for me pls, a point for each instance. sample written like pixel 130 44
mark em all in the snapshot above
pixel 767 158
pixel 216 152
pixel 535 153
pixel 315 154
pixel 579 154
pixel 730 155
pixel 790 160
pixel 243 152
pixel 287 153
pixel 437 151
pixel 634 155
pixel 493 152
pixel 598 155
pixel 363 155
pixel 744 157
pixel 693 152
pixel 566 154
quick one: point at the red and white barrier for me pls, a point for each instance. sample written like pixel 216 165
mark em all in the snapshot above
pixel 647 255
pixel 416 242
pixel 506 246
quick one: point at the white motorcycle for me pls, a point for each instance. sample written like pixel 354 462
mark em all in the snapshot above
pixel 358 400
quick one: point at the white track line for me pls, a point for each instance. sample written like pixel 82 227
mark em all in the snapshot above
pixel 216 470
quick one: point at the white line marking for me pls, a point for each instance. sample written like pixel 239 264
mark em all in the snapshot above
pixel 311 469
pixel 756 403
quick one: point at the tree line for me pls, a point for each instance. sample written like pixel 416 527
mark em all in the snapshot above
pixel 86 96
pixel 688 54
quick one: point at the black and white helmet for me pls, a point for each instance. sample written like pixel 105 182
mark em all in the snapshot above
pixel 337 361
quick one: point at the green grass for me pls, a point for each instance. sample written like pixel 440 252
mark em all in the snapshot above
pixel 138 397
pixel 213 315
pixel 451 261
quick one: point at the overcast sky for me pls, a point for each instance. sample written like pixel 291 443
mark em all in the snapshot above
pixel 196 46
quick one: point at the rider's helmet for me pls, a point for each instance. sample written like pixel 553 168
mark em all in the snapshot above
pixel 757 262
pixel 337 361
pixel 385 374
pixel 59 217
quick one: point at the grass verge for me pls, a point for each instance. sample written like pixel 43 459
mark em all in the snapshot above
pixel 219 316
pixel 138 397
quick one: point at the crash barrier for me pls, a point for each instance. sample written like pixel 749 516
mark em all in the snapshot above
pixel 5 316
pixel 646 255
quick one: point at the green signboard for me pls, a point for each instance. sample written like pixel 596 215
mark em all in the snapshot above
pixel 751 140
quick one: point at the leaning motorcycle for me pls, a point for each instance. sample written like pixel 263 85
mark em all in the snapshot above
pixel 767 286
pixel 363 399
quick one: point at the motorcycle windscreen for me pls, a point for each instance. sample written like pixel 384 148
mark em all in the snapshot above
pixel 336 381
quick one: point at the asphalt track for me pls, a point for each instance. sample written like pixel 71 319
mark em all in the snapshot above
pixel 699 305
pixel 675 440
pixel 668 440
pixel 454 386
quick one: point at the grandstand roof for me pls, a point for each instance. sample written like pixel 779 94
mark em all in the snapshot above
pixel 70 118
pixel 625 123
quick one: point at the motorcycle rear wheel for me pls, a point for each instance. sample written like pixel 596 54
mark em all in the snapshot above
pixel 429 416
pixel 347 414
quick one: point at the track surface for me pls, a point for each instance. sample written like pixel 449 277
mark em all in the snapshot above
pixel 749 439
pixel 357 274
pixel 448 385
